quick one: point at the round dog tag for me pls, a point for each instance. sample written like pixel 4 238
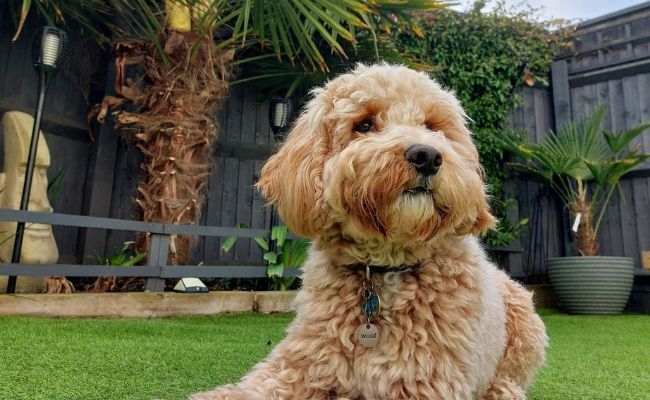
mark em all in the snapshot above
pixel 368 335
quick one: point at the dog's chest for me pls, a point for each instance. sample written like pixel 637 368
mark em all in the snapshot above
pixel 420 337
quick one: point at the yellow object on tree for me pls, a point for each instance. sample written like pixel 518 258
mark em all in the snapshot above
pixel 178 16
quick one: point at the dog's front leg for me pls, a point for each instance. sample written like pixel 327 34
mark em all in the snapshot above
pixel 239 392
pixel 228 392
pixel 283 375
pixel 266 382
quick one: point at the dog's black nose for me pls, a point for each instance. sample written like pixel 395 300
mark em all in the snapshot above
pixel 425 159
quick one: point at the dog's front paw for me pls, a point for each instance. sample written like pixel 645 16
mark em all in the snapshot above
pixel 229 392
pixel 504 390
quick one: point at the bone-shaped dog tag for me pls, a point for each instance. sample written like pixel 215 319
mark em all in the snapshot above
pixel 368 335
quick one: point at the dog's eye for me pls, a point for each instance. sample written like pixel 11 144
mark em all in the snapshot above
pixel 430 126
pixel 363 126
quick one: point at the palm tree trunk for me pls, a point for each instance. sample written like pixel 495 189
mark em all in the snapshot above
pixel 176 100
pixel 177 132
pixel 586 235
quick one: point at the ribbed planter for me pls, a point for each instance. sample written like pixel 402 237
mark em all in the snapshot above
pixel 592 285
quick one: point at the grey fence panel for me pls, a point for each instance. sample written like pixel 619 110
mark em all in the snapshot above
pixel 244 210
pixel 610 64
pixel 538 240
pixel 64 118
pixel 261 216
pixel 212 209
pixel 126 176
pixel 73 177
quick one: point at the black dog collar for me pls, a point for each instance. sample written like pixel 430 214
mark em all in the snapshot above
pixel 379 269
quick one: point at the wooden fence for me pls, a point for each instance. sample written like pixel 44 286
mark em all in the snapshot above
pixel 100 176
pixel 609 63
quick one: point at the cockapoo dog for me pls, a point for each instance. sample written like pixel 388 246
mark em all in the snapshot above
pixel 398 299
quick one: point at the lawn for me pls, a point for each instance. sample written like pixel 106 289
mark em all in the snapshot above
pixel 596 358
pixel 590 357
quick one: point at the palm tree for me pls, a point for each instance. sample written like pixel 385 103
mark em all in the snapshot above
pixel 584 165
pixel 188 53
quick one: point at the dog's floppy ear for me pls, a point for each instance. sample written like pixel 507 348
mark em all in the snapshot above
pixel 484 221
pixel 477 219
pixel 292 179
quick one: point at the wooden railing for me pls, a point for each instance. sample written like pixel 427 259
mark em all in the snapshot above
pixel 156 269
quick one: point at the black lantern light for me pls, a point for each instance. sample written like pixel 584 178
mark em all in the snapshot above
pixel 280 113
pixel 48 47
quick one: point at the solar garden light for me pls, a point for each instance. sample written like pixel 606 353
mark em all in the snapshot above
pixel 48 47
pixel 190 285
pixel 280 112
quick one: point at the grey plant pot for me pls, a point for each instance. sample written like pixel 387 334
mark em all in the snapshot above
pixel 592 285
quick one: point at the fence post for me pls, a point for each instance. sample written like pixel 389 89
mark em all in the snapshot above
pixel 562 113
pixel 157 257
pixel 100 179
pixel 561 93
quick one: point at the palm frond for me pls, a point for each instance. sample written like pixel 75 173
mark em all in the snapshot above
pixel 276 76
pixel 93 16
pixel 617 141
pixel 574 144
pixel 307 33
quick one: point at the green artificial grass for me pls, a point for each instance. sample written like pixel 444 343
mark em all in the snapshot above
pixel 113 359
pixel 595 358
pixel 589 358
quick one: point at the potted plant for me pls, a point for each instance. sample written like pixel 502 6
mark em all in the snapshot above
pixel 584 164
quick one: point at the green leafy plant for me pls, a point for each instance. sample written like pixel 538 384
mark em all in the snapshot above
pixel 584 165
pixel 127 256
pixel 485 57
pixel 279 252
pixel 55 185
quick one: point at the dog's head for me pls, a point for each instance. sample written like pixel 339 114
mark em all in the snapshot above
pixel 381 152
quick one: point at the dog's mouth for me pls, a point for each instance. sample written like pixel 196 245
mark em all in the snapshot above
pixel 418 191
pixel 421 187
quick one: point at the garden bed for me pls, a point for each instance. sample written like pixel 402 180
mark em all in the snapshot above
pixel 144 304
pixel 166 304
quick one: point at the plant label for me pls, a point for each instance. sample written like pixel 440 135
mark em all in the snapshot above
pixel 576 222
